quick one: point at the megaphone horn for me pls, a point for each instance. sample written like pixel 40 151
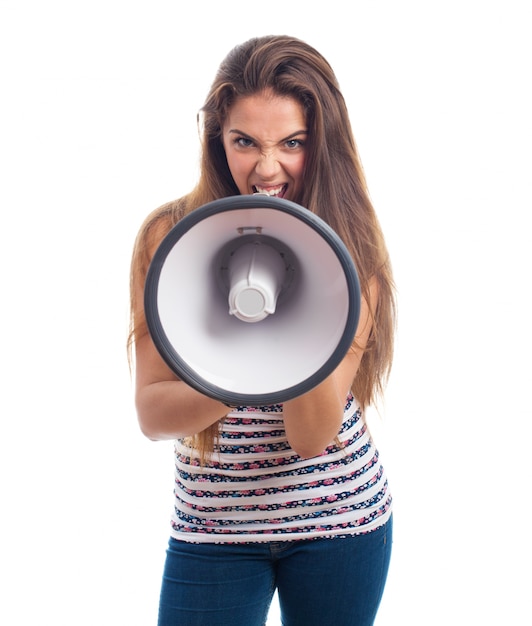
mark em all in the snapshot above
pixel 252 300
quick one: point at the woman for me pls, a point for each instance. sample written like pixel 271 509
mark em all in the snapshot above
pixel 289 497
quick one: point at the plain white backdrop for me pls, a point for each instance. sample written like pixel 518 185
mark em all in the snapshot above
pixel 97 128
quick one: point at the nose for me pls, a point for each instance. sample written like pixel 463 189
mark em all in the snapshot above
pixel 268 166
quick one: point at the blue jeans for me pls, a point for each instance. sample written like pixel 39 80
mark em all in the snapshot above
pixel 320 582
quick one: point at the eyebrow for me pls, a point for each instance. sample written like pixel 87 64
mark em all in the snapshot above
pixel 235 131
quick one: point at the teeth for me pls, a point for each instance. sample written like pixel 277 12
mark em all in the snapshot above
pixel 270 192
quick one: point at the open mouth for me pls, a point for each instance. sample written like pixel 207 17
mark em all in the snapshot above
pixel 276 192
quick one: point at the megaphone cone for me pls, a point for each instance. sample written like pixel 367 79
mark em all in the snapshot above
pixel 252 300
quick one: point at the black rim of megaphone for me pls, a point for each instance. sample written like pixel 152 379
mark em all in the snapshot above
pixel 172 357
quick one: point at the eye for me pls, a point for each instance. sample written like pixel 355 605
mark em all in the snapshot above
pixel 292 144
pixel 243 142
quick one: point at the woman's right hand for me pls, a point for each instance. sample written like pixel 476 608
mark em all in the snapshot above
pixel 168 408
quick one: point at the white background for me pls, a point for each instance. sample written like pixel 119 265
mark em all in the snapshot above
pixel 97 128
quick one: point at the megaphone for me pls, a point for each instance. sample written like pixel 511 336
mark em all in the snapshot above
pixel 252 300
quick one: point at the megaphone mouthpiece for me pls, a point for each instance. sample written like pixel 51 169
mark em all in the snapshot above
pixel 256 276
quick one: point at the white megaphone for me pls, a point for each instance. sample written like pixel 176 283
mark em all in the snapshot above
pixel 252 300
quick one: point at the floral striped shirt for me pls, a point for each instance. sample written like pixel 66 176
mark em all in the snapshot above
pixel 255 488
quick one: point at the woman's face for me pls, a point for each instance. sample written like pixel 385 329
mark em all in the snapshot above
pixel 264 138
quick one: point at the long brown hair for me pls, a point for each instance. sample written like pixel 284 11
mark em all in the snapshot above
pixel 335 187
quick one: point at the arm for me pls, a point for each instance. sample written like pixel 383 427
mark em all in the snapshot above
pixel 313 420
pixel 168 408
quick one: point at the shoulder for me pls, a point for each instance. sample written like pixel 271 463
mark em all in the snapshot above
pixel 152 231
pixel 157 225
pixel 160 221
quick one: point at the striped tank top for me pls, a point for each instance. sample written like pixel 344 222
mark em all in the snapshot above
pixel 255 488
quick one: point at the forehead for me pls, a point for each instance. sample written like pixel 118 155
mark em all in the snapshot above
pixel 265 112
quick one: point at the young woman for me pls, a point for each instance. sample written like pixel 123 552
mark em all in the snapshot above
pixel 289 497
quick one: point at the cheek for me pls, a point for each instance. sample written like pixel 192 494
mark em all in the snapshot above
pixel 234 162
pixel 230 157
pixel 298 168
pixel 239 166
